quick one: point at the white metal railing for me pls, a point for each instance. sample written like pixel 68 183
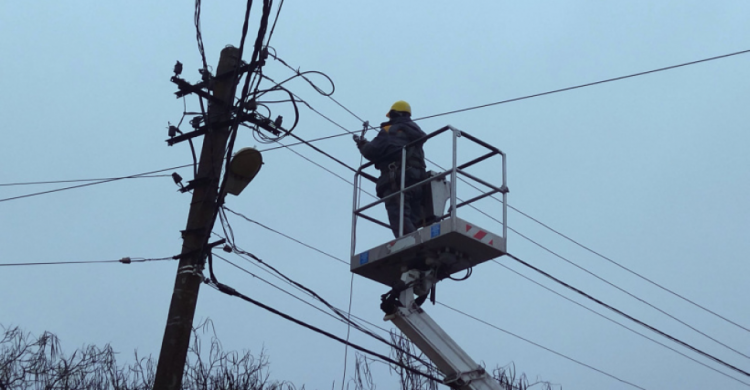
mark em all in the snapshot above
pixel 453 172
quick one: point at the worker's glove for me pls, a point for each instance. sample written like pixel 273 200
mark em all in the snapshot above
pixel 360 141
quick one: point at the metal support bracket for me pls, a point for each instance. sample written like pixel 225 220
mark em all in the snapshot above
pixel 186 88
pixel 184 137
pixel 209 246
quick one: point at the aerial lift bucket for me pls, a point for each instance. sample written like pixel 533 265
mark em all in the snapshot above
pixel 446 243
pixel 412 264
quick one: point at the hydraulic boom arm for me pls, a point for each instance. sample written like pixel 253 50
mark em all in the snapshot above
pixel 461 372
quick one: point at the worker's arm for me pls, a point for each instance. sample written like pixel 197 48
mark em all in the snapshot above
pixel 379 148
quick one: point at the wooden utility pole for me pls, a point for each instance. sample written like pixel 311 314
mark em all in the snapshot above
pixel 177 334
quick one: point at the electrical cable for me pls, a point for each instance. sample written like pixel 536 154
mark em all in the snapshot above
pixel 124 260
pixel 594 252
pixel 198 34
pixel 630 294
pixel 348 321
pixel 286 236
pixel 277 85
pixel 591 273
pixel 589 250
pixel 540 346
pixel 273 26
pixel 278 288
pixel 322 152
pixel 309 291
pixel 31 183
pixel 598 277
pixel 251 262
pixel 338 318
pixel 336 310
pixel 320 91
pixel 625 268
pixel 328 170
pixel 517 233
pixel 254 263
pixel 232 292
pixel 255 62
pixel 348 329
pixel 583 85
pixel 615 322
pixel 145 174
pixel 631 318
pixel 521 338
pixel 351 282
pixel 600 82
pixel 507 332
pixel 348 132
pixel 93 183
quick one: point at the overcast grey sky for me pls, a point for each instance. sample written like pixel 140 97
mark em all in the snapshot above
pixel 650 171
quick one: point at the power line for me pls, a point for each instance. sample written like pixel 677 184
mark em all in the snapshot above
pixel 124 260
pixel 286 236
pixel 336 310
pixel 315 295
pixel 600 255
pixel 145 174
pixel 623 267
pixel 232 292
pixel 584 85
pixel 276 19
pixel 555 231
pixel 540 346
pixel 628 293
pixel 328 95
pixel 523 97
pixel 348 328
pixel 289 293
pixel 512 334
pixel 93 183
pixel 494 104
pixel 347 132
pixel 323 168
pixel 585 270
pixel 591 273
pixel 639 322
pixel 615 322
pixel 347 321
pixel 251 262
pixel 604 280
pixel 31 183
pixel 606 258
pixel 281 289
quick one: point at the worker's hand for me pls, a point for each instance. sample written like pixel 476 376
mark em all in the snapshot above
pixel 360 141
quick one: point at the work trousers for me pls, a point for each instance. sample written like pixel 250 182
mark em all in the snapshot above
pixel 412 210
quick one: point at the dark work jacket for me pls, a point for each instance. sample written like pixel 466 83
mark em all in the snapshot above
pixel 386 147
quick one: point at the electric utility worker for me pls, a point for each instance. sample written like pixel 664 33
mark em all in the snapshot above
pixel 385 151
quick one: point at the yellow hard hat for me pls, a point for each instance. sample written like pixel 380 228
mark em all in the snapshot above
pixel 401 106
